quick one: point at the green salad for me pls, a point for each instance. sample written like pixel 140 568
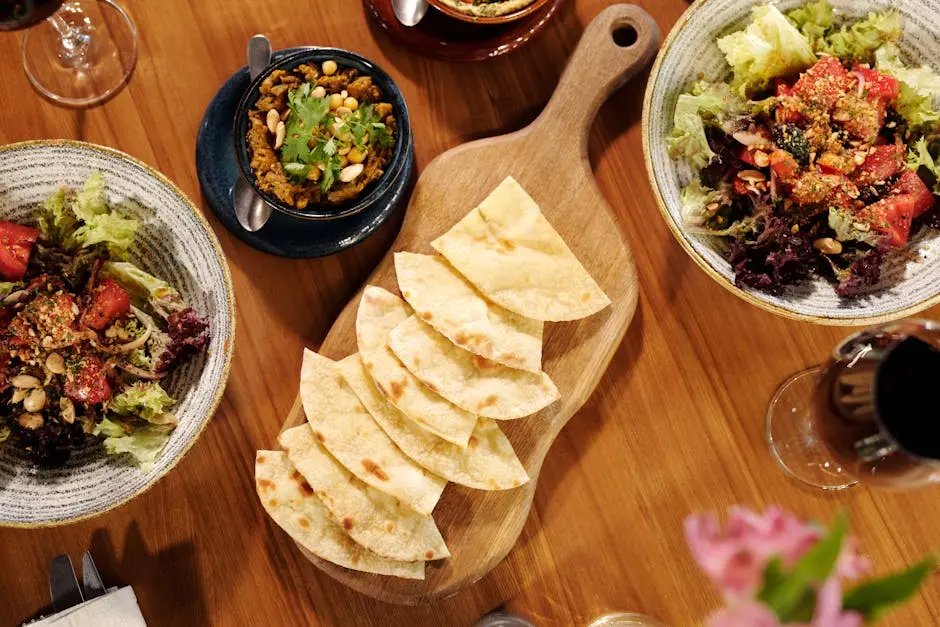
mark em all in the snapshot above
pixel 87 337
pixel 817 154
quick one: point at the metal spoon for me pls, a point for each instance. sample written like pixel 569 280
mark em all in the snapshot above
pixel 250 208
pixel 409 12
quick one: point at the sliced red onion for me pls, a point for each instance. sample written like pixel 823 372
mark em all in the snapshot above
pixel 861 82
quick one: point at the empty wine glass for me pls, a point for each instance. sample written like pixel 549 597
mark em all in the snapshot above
pixel 870 414
pixel 75 53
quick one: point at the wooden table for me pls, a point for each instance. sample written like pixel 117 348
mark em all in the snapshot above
pixel 676 426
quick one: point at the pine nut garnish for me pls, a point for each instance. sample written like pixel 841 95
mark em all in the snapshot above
pixel 751 176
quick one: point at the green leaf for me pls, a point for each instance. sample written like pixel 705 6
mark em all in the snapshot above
pixel 296 170
pixel 56 219
pixel 814 20
pixel 792 592
pixel 144 400
pixel 774 577
pixel 769 47
pixel 859 40
pixel 327 180
pixel 874 598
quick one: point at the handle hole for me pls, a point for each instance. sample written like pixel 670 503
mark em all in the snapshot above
pixel 625 36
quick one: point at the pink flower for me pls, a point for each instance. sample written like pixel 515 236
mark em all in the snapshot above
pixel 736 558
pixel 851 565
pixel 829 608
pixel 748 614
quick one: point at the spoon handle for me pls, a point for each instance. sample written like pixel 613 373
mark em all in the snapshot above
pixel 259 55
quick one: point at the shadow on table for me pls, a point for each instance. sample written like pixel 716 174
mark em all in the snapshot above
pixel 308 294
pixel 584 427
pixel 166 583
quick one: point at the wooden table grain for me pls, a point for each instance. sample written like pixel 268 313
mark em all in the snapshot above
pixel 676 425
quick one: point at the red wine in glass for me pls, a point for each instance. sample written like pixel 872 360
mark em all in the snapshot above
pixel 17 14
pixel 870 414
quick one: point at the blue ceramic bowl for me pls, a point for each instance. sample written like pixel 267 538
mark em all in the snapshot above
pixel 378 190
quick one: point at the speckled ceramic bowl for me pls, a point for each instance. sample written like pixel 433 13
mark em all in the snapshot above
pixel 690 51
pixel 175 243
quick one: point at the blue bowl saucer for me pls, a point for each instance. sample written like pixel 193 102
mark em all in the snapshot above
pixel 282 235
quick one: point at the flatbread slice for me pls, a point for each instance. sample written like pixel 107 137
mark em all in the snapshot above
pixel 291 503
pixel 372 518
pixel 488 462
pixel 346 429
pixel 450 304
pixel 379 312
pixel 467 380
pixel 511 253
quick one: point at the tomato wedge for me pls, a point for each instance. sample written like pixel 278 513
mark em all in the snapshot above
pixel 784 166
pixel 824 83
pixel 87 381
pixel 16 245
pixel 892 216
pixel 882 164
pixel 910 183
pixel 109 302
pixel 878 84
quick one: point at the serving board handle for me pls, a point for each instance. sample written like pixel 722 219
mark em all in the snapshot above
pixel 617 44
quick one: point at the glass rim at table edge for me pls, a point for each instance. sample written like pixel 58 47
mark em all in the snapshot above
pixel 905 325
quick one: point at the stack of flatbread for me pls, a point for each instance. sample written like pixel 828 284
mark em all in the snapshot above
pixel 417 406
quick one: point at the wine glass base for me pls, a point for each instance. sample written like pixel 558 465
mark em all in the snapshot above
pixel 793 440
pixel 88 72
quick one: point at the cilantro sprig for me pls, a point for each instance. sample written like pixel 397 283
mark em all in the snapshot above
pixel 315 135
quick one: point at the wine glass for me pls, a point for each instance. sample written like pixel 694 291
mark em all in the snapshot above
pixel 76 53
pixel 870 414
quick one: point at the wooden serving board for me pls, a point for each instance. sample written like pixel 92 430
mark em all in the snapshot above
pixel 549 159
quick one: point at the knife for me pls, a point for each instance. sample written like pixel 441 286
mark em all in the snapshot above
pixel 91 580
pixel 63 586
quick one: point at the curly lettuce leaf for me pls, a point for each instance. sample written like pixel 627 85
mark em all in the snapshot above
pixel 92 200
pixel 770 47
pixel 144 443
pixel 862 38
pixel 920 86
pixel 145 400
pixel 919 156
pixel 712 101
pixel 814 19
pixel 844 224
pixel 695 198
pixel 83 219
pixel 57 221
pixel 6 287
pixel 144 287
pixel 114 230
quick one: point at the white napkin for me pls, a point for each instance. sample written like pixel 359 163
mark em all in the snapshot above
pixel 117 608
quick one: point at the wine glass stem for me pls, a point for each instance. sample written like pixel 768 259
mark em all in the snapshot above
pixel 74 42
